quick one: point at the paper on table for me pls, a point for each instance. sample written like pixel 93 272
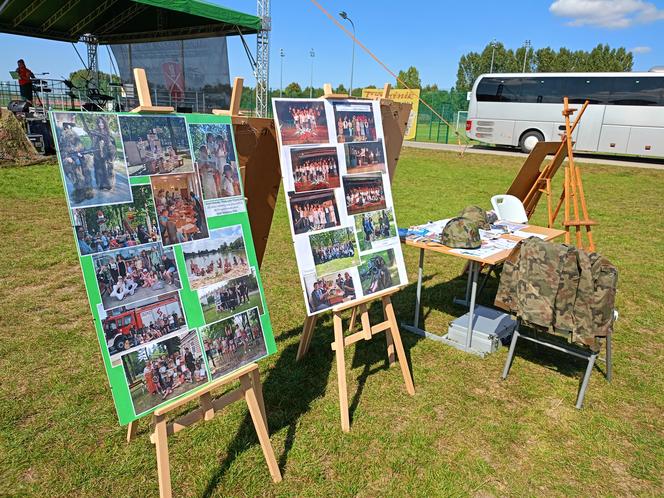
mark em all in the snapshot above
pixel 504 243
pixel 482 252
pixel 510 225
pixel 524 235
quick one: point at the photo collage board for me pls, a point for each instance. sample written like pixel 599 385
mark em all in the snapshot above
pixel 339 199
pixel 164 241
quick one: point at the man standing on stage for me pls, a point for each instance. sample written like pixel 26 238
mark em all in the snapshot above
pixel 24 80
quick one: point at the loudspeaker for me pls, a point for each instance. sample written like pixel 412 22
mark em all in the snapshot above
pixel 18 106
pixel 42 127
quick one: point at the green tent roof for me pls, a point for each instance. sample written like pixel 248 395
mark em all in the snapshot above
pixel 122 21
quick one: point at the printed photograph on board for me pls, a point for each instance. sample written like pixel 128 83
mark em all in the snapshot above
pixel 302 122
pixel 362 157
pixel 378 271
pixel 232 343
pixel 334 250
pixel 311 211
pixel 163 370
pixel 180 208
pixel 354 122
pixel 114 226
pixel 364 193
pixel 314 168
pixel 373 227
pixel 156 145
pixel 130 327
pixel 215 160
pixel 91 158
pixel 132 274
pixel 227 298
pixel 329 290
pixel 221 257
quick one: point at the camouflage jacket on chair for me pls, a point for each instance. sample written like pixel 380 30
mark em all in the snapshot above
pixel 560 289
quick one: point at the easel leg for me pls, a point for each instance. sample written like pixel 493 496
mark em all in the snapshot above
pixel 132 428
pixel 388 310
pixel 341 372
pixel 566 192
pixel 258 390
pixel 305 340
pixel 353 317
pixel 391 357
pixel 160 440
pixel 260 426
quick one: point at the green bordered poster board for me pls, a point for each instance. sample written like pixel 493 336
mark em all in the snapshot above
pixel 165 245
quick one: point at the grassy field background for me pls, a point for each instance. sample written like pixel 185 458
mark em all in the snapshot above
pixel 464 433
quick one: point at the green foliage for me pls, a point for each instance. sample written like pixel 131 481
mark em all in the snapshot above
pixel 600 58
pixel 411 78
pixel 293 90
pixel 81 77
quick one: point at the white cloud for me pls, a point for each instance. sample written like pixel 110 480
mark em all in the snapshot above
pixel 640 50
pixel 606 13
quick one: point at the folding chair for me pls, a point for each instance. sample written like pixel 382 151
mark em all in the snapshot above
pixel 587 355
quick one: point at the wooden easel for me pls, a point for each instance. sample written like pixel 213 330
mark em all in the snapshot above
pixel 249 377
pixel 573 189
pixel 389 325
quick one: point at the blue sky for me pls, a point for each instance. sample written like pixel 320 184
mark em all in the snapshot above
pixel 428 34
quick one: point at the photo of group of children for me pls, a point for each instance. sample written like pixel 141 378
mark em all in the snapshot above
pixel 339 201
pixel 215 160
pixel 130 231
pixel 301 122
pixel 156 145
pixel 233 342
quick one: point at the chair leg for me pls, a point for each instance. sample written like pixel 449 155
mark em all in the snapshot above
pixel 510 355
pixel 609 358
pixel 586 379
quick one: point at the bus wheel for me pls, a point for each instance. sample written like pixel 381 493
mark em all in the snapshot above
pixel 529 140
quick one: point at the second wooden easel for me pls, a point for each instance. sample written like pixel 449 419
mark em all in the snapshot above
pixel 250 388
pixel 360 310
pixel 573 190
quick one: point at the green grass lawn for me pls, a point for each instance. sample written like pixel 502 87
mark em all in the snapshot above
pixel 464 433
pixel 211 315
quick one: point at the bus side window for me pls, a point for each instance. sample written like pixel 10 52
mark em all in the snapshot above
pixel 647 91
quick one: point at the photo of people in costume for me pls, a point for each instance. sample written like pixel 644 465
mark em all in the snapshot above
pixel 373 227
pixel 232 343
pixel 127 328
pixel 365 157
pixel 180 210
pixel 354 122
pixel 132 274
pixel 91 158
pixel 329 290
pixel 314 168
pixel 114 226
pixel 302 122
pixel 221 257
pixel 156 145
pixel 163 370
pixel 334 250
pixel 215 160
pixel 364 193
pixel 313 211
pixel 227 298
pixel 378 271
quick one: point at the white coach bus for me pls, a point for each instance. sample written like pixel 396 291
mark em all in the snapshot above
pixel 625 114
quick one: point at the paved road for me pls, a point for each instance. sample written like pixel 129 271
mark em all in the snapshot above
pixel 634 162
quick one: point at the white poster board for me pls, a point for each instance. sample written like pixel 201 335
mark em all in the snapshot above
pixel 339 199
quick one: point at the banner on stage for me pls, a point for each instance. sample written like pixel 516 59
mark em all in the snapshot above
pixel 402 95
pixel 339 199
pixel 165 245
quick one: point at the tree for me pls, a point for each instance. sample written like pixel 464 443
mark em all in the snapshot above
pixel 293 90
pixel 340 89
pixel 543 60
pixel 410 78
pixel 81 77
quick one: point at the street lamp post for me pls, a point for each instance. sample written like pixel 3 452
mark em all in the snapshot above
pixel 344 15
pixel 493 53
pixel 282 54
pixel 525 55
pixel 312 54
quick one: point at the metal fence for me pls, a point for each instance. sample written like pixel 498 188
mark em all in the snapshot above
pixel 430 128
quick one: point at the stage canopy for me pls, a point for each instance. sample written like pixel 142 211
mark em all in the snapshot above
pixel 122 21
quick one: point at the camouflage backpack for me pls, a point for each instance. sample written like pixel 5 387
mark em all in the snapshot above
pixel 477 214
pixel 461 233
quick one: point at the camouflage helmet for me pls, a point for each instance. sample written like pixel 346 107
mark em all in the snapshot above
pixel 461 233
pixel 477 214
